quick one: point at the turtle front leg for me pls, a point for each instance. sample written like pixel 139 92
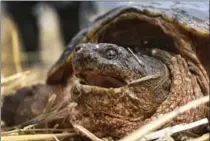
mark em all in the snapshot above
pixel 184 88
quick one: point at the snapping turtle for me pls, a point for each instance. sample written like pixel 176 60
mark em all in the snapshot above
pixel 114 88
pixel 109 104
pixel 161 64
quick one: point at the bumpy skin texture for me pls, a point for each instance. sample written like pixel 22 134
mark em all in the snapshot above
pixel 174 28
pixel 146 95
pixel 184 88
pixel 25 104
pixel 171 28
pixel 187 18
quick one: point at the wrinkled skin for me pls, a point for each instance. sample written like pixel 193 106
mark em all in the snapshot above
pixel 171 29
pixel 133 97
pixel 115 89
pixel 24 104
pixel 113 102
pixel 29 102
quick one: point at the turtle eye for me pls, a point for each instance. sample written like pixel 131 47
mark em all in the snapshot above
pixel 111 53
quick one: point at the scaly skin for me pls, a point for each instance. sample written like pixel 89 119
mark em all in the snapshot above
pixel 116 110
pixel 117 94
pixel 184 88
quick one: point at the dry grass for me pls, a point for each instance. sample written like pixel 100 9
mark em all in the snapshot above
pixel 22 79
pixel 204 137
pixel 10 47
pixel 143 131
pixel 36 137
pixel 18 79
pixel 30 132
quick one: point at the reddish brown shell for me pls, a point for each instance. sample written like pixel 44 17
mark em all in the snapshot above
pixel 183 28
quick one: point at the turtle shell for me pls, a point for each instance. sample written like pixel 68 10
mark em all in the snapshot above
pixel 179 28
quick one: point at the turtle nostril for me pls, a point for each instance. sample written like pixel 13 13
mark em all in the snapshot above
pixel 78 48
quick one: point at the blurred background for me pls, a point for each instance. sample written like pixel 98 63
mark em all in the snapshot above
pixel 35 33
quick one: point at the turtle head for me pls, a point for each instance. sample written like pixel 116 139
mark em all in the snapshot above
pixel 106 65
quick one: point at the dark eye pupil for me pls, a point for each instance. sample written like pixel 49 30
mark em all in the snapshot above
pixel 111 53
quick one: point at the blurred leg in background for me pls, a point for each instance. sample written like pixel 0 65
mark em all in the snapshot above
pixel 71 16
pixel 34 34
pixel 26 21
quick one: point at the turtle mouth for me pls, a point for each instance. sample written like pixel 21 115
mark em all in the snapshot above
pixel 100 80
